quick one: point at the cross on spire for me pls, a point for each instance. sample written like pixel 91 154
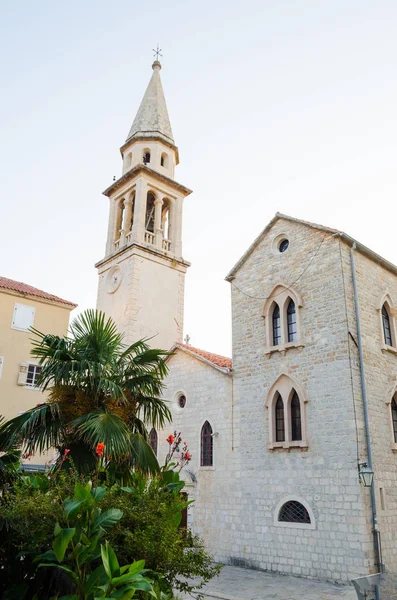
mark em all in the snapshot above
pixel 157 52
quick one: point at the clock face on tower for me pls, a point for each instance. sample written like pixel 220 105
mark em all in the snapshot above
pixel 113 279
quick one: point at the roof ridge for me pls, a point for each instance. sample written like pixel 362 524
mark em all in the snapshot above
pixel 218 360
pixel 29 290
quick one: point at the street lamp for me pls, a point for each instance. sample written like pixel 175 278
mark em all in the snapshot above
pixel 366 474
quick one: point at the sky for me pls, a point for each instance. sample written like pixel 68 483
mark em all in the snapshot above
pixel 286 106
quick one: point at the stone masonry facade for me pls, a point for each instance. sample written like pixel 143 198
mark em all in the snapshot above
pixel 237 500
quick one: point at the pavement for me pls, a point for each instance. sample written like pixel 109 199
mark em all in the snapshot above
pixel 236 583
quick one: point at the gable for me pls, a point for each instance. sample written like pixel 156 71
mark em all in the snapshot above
pixel 313 226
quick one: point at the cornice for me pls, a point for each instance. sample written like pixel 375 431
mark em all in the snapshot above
pixel 154 252
pixel 145 169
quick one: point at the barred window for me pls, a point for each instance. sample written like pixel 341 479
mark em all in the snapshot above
pixel 296 423
pixel 280 426
pixel 276 326
pixel 291 321
pixel 294 512
pixel 33 375
pixel 386 326
pixel 153 440
pixel 394 418
pixel 206 445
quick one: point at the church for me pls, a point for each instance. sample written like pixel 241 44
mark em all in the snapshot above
pixel 294 439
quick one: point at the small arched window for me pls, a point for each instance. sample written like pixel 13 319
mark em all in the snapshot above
pixel 153 440
pixel 291 321
pixel 296 422
pixel 128 159
pixel 276 325
pixel 146 157
pixel 164 160
pixel 294 512
pixel 206 445
pixel 386 326
pixel 394 418
pixel 280 423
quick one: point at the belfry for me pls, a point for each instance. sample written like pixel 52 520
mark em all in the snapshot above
pixel 142 276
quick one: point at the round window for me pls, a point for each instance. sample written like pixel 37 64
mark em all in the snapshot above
pixel 182 401
pixel 283 246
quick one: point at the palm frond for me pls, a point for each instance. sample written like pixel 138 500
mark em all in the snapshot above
pixel 37 429
pixel 143 456
pixel 153 412
pixel 100 426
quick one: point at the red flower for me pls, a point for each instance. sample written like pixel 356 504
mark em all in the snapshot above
pixel 170 439
pixel 99 449
pixel 66 452
pixel 188 456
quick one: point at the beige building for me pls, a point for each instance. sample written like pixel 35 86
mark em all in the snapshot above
pixel 21 307
pixel 142 276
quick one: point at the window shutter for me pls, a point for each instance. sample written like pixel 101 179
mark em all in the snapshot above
pixel 23 317
pixel 23 372
pixel 1 365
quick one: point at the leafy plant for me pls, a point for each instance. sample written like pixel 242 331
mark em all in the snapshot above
pixel 77 548
pixel 100 391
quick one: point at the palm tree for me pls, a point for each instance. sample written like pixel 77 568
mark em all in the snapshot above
pixel 100 391
pixel 9 460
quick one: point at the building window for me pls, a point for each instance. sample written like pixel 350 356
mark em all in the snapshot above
pixel 276 325
pixel 23 317
pixel 394 418
pixel 206 445
pixel 282 319
pixel 164 160
pixel 280 424
pixel 153 440
pixel 146 157
pixel 294 512
pixel 291 321
pixel 182 401
pixel 283 246
pixel 296 424
pixel 32 376
pixel 287 414
pixel 386 326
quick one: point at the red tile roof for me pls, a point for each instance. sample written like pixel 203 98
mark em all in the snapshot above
pixel 28 290
pixel 216 359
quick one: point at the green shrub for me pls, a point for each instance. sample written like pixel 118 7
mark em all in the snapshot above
pixel 148 530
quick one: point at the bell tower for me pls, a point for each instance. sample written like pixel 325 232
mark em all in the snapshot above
pixel 142 276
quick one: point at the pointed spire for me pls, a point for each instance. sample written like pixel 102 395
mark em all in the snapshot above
pixel 152 118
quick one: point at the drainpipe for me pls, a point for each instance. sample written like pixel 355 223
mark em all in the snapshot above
pixel 366 419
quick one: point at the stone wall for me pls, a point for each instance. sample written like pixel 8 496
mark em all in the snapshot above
pixel 373 283
pixel 208 394
pixel 325 475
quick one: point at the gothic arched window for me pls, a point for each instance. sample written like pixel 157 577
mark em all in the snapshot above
pixel 296 422
pixel 280 424
pixel 294 512
pixel 394 418
pixel 153 440
pixel 291 321
pixel 206 445
pixel 276 325
pixel 386 326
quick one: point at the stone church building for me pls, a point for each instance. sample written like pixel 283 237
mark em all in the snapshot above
pixel 278 434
